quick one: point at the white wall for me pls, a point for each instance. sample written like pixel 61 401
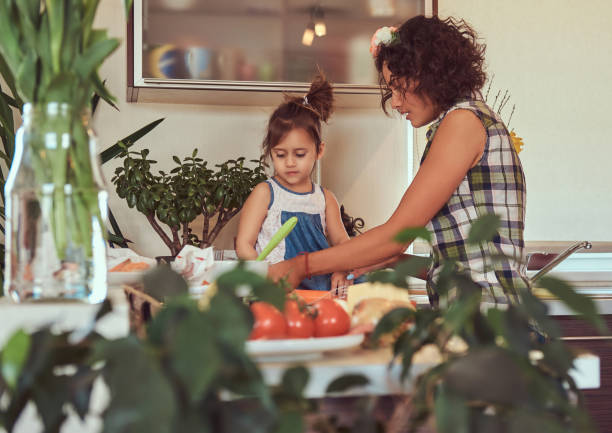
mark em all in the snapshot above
pixel 365 164
pixel 554 57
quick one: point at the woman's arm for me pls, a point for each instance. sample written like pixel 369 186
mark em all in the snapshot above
pixel 252 216
pixel 458 145
pixel 389 264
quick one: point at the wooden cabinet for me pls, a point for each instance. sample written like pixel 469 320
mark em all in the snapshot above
pixel 249 52
pixel 579 334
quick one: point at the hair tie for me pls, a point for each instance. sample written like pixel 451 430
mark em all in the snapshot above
pixel 306 100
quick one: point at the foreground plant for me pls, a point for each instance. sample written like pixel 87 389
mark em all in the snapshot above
pixel 191 372
pixel 505 368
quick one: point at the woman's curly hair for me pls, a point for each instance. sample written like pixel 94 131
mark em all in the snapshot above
pixel 442 56
pixel 301 112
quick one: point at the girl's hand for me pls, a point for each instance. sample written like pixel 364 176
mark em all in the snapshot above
pixel 293 271
pixel 338 279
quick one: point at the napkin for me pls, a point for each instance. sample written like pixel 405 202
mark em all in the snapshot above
pixel 195 265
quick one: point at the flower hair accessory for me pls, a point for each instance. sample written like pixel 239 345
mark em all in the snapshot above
pixel 385 36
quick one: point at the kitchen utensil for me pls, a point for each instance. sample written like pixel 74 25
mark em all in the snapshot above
pixel 277 237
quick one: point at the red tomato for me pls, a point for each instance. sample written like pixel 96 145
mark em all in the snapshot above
pixel 269 322
pixel 300 323
pixel 331 319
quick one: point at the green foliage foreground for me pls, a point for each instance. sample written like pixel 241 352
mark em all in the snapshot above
pixel 192 374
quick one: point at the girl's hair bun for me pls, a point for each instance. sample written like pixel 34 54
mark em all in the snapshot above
pixel 321 97
pixel 319 100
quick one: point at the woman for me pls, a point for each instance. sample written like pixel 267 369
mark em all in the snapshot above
pixel 431 71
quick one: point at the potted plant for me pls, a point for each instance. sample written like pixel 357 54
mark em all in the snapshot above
pixel 175 199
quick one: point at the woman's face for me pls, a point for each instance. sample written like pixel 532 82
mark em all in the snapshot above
pixel 418 109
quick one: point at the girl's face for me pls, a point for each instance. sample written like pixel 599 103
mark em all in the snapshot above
pixel 294 158
pixel 418 109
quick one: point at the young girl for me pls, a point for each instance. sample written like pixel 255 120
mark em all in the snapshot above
pixel 431 72
pixel 293 142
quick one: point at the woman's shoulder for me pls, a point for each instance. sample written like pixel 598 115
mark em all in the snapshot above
pixel 478 107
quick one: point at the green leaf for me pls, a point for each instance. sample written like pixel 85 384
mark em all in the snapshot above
pixel 538 311
pixel 390 277
pixel 346 382
pixel 193 353
pixel 119 240
pixel 410 234
pixel 101 90
pixel 55 11
pixel 9 79
pixel 88 62
pixel 14 356
pixel 88 17
pixel 231 318
pixel 127 5
pixel 72 38
pixel 451 412
pixel 141 398
pixel 294 381
pixel 290 422
pixel 9 35
pixel 392 320
pixel 466 375
pixel 26 77
pixel 581 304
pixel 484 228
pixel 28 26
pixel 163 283
pixel 458 314
pixel 413 266
pixel 60 88
pixel 128 141
pixel 523 420
pixel 6 121
pixel 557 356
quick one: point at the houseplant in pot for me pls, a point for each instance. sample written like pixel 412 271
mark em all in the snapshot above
pixel 190 189
pixel 55 198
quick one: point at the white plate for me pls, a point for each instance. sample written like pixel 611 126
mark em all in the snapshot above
pixel 300 348
pixel 119 278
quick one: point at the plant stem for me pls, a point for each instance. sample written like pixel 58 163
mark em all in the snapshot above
pixel 185 234
pixel 162 234
pixel 176 242
pixel 221 221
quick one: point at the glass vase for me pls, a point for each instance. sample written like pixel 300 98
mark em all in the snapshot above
pixel 56 208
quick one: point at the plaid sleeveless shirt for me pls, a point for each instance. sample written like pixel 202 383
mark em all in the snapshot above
pixel 495 185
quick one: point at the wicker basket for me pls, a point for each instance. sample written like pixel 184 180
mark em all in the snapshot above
pixel 142 308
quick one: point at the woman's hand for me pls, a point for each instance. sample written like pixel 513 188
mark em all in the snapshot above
pixel 293 271
pixel 338 279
